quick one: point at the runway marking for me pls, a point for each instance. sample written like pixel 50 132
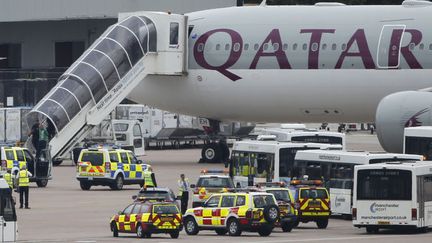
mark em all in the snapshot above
pixel 338 239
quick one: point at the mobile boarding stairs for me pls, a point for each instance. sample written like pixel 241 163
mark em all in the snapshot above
pixel 140 44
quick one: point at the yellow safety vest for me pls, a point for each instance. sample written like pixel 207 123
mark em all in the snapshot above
pixel 181 187
pixel 148 181
pixel 23 178
pixel 8 178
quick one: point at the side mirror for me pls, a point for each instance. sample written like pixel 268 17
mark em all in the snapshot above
pixel 192 186
pixel 139 162
pixel 134 197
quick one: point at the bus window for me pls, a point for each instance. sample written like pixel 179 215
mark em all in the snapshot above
pixel 419 145
pixel 384 185
pixel 313 170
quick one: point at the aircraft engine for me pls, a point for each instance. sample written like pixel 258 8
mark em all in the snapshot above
pixel 400 110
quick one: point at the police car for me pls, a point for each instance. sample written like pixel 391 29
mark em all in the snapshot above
pixel 209 182
pixel 285 200
pixel 233 213
pixel 145 218
pixel 312 202
pixel 109 167
pixel 14 158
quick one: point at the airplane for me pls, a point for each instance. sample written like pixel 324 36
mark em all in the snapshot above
pixel 322 63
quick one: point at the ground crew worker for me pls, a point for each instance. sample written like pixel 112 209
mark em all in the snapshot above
pixel 183 184
pixel 8 178
pixel 23 186
pixel 149 178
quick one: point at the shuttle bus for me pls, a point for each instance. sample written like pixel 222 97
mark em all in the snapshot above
pixel 266 161
pixel 393 195
pixel 8 218
pixel 306 136
pixel 336 169
pixel 418 140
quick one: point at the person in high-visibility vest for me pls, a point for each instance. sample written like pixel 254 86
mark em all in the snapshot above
pixel 8 178
pixel 23 186
pixel 149 178
pixel 183 184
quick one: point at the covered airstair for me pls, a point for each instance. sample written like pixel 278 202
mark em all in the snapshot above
pixel 140 44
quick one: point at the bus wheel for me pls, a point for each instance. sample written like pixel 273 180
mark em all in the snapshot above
pixel 42 183
pixel 372 229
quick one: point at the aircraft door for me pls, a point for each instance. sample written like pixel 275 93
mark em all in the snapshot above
pixel 389 45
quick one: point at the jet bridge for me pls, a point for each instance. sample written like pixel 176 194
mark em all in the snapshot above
pixel 139 44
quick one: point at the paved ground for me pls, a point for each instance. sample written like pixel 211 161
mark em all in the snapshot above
pixel 62 212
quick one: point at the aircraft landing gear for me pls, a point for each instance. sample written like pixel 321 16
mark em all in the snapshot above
pixel 215 152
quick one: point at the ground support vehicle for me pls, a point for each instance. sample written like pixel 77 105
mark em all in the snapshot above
pixel 14 158
pixel 312 202
pixel 209 182
pixel 393 195
pixel 233 213
pixel 285 200
pixel 145 218
pixel 8 218
pixel 109 167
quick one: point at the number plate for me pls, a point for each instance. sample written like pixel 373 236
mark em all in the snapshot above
pixel 166 219
pixel 383 222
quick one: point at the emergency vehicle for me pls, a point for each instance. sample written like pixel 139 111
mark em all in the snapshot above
pixel 209 182
pixel 233 213
pixel 14 158
pixel 109 167
pixel 312 202
pixel 285 200
pixel 145 218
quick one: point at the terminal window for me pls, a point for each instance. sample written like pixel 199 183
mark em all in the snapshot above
pixel 10 55
pixel 67 52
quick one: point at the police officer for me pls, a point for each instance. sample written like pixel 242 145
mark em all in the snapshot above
pixel 23 186
pixel 8 178
pixel 183 185
pixel 149 178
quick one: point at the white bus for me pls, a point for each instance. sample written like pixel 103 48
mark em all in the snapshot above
pixel 336 169
pixel 306 136
pixel 418 140
pixel 393 195
pixel 8 218
pixel 266 161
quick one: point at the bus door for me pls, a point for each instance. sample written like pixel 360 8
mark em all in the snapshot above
pixel 239 169
pixel 420 199
pixel 8 219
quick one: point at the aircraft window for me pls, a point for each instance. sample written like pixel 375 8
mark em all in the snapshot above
pixel 275 46
pixel 246 47
pixel 227 47
pixel 236 47
pixel 430 46
pixel 285 47
pixel 314 46
pixel 200 47
pixel 295 46
pixel 324 46
pixel 411 46
pixel 304 47
pixel 265 47
pixel 334 47
pixel 256 46
pixel 421 46
pixel 343 47
pixel 217 47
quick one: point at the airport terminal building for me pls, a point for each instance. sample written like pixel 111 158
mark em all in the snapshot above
pixel 39 39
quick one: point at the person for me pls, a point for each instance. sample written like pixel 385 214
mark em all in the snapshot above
pixel 149 178
pixel 8 177
pixel 43 140
pixel 34 133
pixel 23 186
pixel 183 184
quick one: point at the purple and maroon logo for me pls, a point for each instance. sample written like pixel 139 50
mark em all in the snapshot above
pixel 414 120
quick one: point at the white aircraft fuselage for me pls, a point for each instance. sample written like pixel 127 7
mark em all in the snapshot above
pixel 296 63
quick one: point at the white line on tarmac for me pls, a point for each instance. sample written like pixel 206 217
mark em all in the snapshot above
pixel 337 239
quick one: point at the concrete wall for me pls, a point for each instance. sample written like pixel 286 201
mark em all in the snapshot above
pixel 38 38
pixel 36 10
